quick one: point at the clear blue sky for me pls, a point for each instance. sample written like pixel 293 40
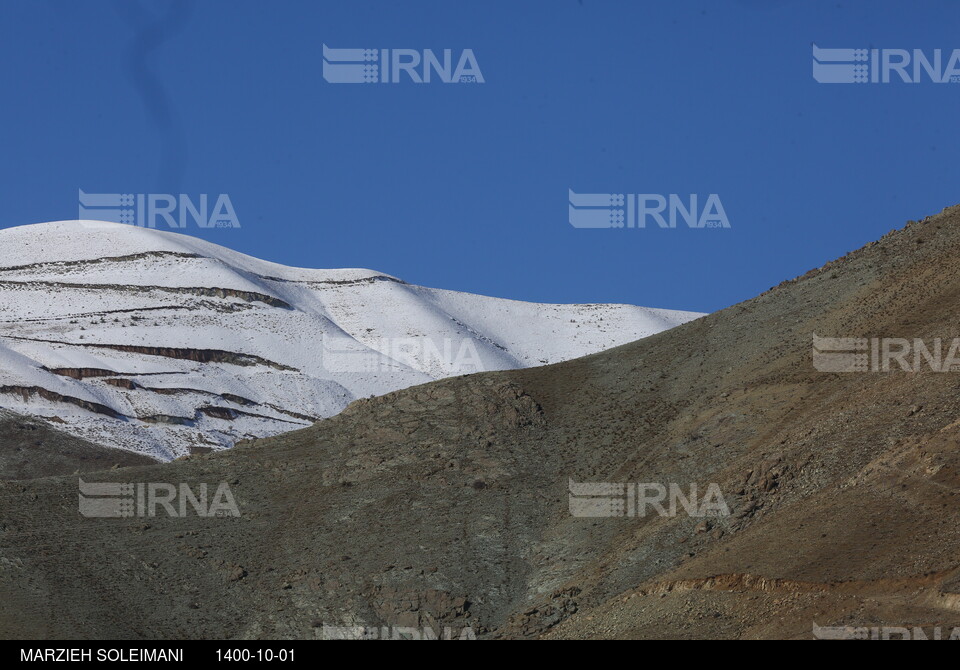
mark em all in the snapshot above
pixel 464 186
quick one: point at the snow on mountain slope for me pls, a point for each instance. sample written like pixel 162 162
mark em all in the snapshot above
pixel 164 344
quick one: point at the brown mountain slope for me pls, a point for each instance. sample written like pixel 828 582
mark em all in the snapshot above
pixel 446 504
pixel 31 448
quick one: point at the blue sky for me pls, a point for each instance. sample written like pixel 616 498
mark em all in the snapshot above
pixel 464 186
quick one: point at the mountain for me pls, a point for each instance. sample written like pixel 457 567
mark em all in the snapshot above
pixel 166 345
pixel 448 504
pixel 31 448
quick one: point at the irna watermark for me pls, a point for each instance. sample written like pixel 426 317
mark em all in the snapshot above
pixel 883 633
pixel 113 500
pixel 637 210
pixel 450 356
pixel 396 633
pixel 152 210
pixel 883 66
pixel 885 354
pixel 606 499
pixel 393 66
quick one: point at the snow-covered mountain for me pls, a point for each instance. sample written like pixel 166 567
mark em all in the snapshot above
pixel 164 344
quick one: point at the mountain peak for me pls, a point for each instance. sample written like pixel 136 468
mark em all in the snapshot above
pixel 164 344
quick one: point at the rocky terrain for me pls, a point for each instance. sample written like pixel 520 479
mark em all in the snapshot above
pixel 31 448
pixel 447 504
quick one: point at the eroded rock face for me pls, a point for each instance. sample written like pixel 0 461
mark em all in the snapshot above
pixel 183 354
pixel 123 383
pixel 196 355
pixel 25 392
pixel 82 373
pixel 204 291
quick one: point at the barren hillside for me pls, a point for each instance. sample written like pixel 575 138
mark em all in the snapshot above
pixel 447 503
